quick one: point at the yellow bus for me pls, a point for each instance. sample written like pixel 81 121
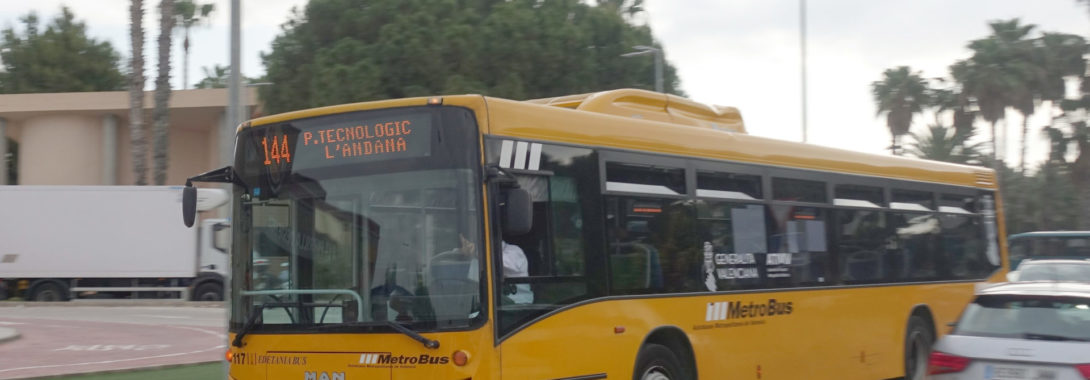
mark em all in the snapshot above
pixel 615 235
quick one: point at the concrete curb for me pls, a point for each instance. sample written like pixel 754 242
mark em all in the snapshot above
pixel 8 334
pixel 137 369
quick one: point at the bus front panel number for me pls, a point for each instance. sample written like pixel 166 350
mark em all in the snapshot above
pixel 278 150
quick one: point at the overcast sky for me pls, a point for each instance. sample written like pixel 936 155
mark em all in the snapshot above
pixel 742 53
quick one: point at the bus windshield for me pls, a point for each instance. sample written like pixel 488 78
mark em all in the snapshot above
pixel 361 217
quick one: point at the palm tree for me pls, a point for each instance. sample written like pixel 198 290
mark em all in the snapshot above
pixel 1076 135
pixel 955 101
pixel 1059 55
pixel 162 92
pixel 187 15
pixel 137 133
pixel 999 74
pixel 1024 70
pixel 215 77
pixel 901 94
pixel 945 144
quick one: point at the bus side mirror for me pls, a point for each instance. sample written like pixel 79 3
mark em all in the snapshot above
pixel 189 205
pixel 518 213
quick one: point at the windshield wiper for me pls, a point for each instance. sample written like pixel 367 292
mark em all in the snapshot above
pixel 429 343
pixel 1035 336
pixel 250 323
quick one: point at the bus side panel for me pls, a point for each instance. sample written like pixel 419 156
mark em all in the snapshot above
pixel 851 333
pixel 363 356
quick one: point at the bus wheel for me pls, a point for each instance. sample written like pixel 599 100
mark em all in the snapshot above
pixel 49 292
pixel 918 340
pixel 656 362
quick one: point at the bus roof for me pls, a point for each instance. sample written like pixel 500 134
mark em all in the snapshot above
pixel 649 105
pixel 622 119
pixel 642 120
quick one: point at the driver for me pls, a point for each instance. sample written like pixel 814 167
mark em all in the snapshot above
pixel 516 265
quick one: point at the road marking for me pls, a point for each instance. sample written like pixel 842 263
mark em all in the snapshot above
pixel 163 316
pixel 11 323
pixel 116 361
pixel 113 347
pixel 213 333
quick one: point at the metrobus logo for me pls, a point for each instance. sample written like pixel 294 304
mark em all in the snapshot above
pixel 718 311
pixel 386 358
pixel 372 357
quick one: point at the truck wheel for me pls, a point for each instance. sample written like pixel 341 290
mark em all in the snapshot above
pixel 918 340
pixel 656 362
pixel 49 292
pixel 208 291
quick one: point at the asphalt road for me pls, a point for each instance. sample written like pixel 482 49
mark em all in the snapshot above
pixel 80 338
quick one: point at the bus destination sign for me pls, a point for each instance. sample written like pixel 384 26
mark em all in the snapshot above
pixel 314 145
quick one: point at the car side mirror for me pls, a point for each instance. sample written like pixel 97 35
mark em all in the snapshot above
pixel 189 205
pixel 518 212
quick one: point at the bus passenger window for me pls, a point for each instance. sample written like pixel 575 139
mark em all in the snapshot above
pixel 963 239
pixel 859 196
pixel 861 246
pixel 648 179
pixel 913 245
pixel 798 190
pixel 653 246
pixel 798 234
pixel 734 244
pixel 728 186
pixel 912 200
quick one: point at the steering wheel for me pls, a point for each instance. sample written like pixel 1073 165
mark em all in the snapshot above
pixel 384 295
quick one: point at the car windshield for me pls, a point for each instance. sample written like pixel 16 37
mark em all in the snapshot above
pixel 331 237
pixel 1027 317
pixel 1054 272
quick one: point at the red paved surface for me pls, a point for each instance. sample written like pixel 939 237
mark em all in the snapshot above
pixel 55 347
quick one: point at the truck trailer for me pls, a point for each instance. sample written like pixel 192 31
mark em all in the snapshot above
pixel 68 242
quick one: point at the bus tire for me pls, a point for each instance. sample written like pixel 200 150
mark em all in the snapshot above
pixel 49 291
pixel 918 341
pixel 208 291
pixel 656 362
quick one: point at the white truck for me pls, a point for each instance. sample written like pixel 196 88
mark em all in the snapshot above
pixel 66 242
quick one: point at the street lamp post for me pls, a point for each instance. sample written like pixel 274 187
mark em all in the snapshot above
pixel 802 48
pixel 645 50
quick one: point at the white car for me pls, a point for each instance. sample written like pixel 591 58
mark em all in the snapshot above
pixel 1025 330
pixel 1051 270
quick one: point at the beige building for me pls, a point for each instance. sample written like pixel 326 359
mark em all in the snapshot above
pixel 82 138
